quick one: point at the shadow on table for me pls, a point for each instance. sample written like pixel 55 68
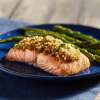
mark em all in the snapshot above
pixel 39 90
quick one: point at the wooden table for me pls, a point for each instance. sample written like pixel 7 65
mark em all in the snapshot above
pixel 49 11
pixel 86 12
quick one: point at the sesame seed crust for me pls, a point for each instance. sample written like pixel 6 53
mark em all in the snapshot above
pixel 51 46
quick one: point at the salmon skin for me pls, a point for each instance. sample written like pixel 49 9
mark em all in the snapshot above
pixel 48 63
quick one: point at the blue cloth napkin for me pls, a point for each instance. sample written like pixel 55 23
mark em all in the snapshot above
pixel 8 25
pixel 15 88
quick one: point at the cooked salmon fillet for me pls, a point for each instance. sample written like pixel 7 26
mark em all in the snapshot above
pixel 49 63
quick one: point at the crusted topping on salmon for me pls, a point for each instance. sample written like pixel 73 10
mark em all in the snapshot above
pixel 51 46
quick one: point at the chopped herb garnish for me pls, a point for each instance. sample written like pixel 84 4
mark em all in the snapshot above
pixel 50 45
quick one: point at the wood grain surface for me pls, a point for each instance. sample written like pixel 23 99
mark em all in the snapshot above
pixel 52 11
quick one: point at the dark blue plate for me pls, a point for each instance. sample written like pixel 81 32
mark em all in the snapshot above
pixel 24 70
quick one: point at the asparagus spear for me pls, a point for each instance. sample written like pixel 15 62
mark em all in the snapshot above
pixel 12 39
pixel 95 45
pixel 75 34
pixel 88 40
pixel 97 58
pixel 93 51
pixel 63 37
pixel 92 57
pixel 88 54
pixel 31 32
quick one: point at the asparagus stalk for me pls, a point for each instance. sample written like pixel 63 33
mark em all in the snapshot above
pixel 94 45
pixel 89 41
pixel 88 54
pixel 63 37
pixel 75 34
pixel 91 57
pixel 97 58
pixel 40 32
pixel 93 51
pixel 34 32
pixel 77 43
pixel 12 39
